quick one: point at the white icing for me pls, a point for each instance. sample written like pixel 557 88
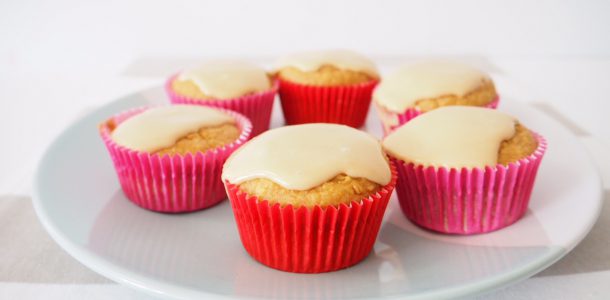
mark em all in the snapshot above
pixel 301 157
pixel 342 59
pixel 161 127
pixel 409 84
pixel 224 79
pixel 452 136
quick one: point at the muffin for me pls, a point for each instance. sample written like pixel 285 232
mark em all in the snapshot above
pixel 169 158
pixel 464 170
pixel 309 198
pixel 235 85
pixel 422 87
pixel 326 87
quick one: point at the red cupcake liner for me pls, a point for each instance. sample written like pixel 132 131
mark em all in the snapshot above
pixel 176 183
pixel 467 200
pixel 309 240
pixel 408 115
pixel 347 105
pixel 256 107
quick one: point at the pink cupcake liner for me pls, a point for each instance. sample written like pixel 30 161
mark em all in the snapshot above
pixel 467 200
pixel 176 183
pixel 309 240
pixel 256 107
pixel 408 115
pixel 347 105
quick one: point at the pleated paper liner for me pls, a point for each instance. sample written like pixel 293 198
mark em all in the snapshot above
pixel 309 240
pixel 176 183
pixel 467 200
pixel 347 105
pixel 391 120
pixel 256 107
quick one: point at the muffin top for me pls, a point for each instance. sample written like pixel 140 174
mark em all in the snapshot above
pixel 222 79
pixel 309 161
pixel 431 79
pixel 166 127
pixel 461 136
pixel 327 68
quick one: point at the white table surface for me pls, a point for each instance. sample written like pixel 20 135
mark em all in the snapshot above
pixel 32 266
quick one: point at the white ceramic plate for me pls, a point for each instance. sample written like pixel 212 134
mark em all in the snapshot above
pixel 78 200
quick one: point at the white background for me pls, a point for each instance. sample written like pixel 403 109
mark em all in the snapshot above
pixel 59 59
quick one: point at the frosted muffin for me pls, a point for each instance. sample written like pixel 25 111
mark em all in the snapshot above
pixel 332 86
pixel 315 177
pixel 424 86
pixel 168 158
pixel 236 85
pixel 464 170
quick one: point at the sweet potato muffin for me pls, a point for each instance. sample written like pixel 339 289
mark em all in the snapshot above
pixel 341 189
pixel 325 75
pixel 203 140
pixel 309 198
pixel 178 129
pixel 464 169
pixel 461 136
pixel 221 79
pixel 480 96
pixel 281 166
pixel 169 158
pixel 333 86
pixel 326 68
pixel 432 84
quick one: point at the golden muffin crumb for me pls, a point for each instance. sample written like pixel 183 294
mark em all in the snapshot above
pixel 324 76
pixel 205 139
pixel 341 189
pixel 482 96
pixel 521 145
pixel 188 88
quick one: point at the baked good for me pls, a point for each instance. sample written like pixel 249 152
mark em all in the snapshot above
pixel 232 84
pixel 424 86
pixel 332 86
pixel 316 177
pixel 464 170
pixel 168 158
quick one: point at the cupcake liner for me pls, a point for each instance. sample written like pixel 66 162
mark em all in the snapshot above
pixel 177 183
pixel 467 200
pixel 309 240
pixel 346 105
pixel 408 115
pixel 256 107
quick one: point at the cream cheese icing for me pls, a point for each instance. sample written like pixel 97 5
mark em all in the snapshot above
pixel 424 80
pixel 225 79
pixel 452 136
pixel 301 157
pixel 160 127
pixel 342 59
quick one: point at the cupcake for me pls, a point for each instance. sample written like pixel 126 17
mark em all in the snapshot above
pixel 234 85
pixel 464 170
pixel 309 198
pixel 169 158
pixel 326 87
pixel 422 87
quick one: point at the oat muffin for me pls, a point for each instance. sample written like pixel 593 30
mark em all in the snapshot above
pixel 332 86
pixel 464 169
pixel 424 86
pixel 308 175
